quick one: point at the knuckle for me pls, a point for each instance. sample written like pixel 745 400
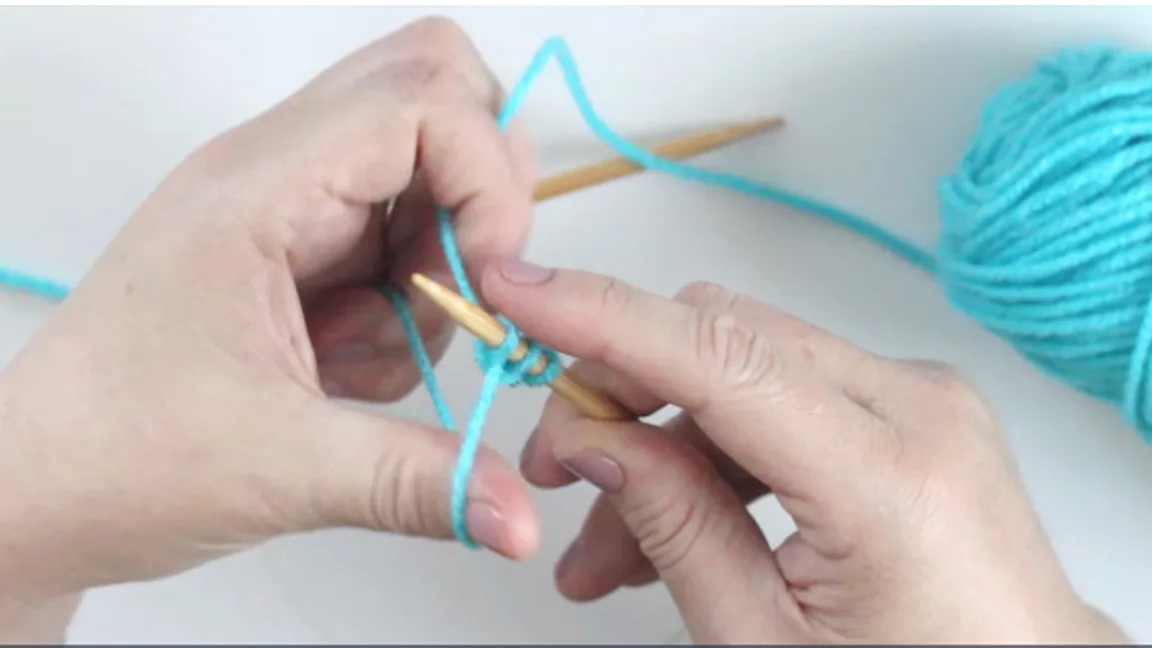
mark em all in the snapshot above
pixel 743 356
pixel 438 32
pixel 422 78
pixel 399 503
pixel 444 63
pixel 744 359
pixel 707 295
pixel 958 396
pixel 670 522
pixel 667 528
pixel 942 397
pixel 615 299
pixel 956 441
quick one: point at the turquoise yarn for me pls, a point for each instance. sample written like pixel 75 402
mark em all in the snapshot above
pixel 44 287
pixel 1047 225
pixel 1046 235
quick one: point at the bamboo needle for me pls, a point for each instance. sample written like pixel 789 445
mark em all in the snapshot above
pixel 679 149
pixel 492 332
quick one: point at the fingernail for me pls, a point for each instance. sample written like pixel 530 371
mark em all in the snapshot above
pixel 486 526
pixel 571 554
pixel 596 469
pixel 522 272
pixel 349 352
pixel 529 450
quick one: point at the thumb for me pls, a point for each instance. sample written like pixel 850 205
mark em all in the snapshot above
pixel 360 469
pixel 690 525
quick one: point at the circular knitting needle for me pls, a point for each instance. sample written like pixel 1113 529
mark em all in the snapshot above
pixel 678 149
pixel 489 329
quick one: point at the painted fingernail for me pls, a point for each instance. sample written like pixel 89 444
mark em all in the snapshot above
pixel 349 352
pixel 486 526
pixel 529 450
pixel 571 555
pixel 522 272
pixel 596 469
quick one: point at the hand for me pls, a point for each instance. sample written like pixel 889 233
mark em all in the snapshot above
pixel 171 411
pixel 912 523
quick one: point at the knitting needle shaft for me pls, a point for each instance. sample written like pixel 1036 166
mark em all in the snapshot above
pixel 492 332
pixel 486 327
pixel 679 149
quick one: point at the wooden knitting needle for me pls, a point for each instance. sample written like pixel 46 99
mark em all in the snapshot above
pixel 492 332
pixel 679 149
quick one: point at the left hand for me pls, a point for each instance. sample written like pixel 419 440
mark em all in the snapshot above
pixel 172 409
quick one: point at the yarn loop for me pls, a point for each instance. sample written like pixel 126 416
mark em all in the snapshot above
pixel 1046 235
pixel 1046 227
pixel 514 373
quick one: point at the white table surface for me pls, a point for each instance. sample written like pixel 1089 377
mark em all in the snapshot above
pixel 99 104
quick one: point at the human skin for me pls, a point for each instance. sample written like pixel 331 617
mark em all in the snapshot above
pixel 178 407
pixel 913 525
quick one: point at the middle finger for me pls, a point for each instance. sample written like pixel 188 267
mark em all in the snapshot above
pixel 605 555
pixel 537 463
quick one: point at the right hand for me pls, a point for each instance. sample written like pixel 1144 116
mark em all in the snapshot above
pixel 913 525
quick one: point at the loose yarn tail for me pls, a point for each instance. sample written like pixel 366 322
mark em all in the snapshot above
pixel 1046 235
pixel 40 286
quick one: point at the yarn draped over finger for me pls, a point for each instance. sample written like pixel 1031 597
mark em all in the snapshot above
pixel 1046 235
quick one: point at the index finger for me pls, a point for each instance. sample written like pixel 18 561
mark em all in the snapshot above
pixel 480 173
pixel 754 395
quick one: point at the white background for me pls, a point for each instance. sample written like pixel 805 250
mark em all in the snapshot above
pixel 100 104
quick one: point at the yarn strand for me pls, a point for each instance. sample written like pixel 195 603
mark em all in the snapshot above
pixel 1046 236
pixel 33 284
pixel 494 362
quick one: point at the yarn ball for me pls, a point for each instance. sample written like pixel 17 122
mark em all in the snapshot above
pixel 1047 224
pixel 1046 230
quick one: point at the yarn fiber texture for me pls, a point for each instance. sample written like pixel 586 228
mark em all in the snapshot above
pixel 1046 234
pixel 1047 224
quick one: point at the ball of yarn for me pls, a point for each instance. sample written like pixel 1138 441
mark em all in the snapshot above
pixel 1047 224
